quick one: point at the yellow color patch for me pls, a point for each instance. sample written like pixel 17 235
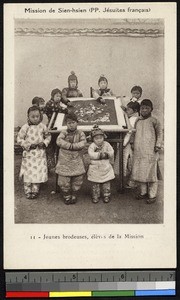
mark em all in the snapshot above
pixel 70 294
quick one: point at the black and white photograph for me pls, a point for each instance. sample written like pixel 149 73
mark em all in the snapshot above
pixel 90 138
pixel 96 88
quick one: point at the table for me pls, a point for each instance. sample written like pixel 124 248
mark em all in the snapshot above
pixel 110 118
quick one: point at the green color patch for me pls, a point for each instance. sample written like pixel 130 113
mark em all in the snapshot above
pixel 112 293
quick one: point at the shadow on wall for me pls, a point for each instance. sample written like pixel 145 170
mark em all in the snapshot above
pixel 44 63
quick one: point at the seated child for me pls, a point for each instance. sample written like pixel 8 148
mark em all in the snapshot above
pixel 132 111
pixel 70 166
pixel 147 143
pixel 33 137
pixel 72 89
pixel 100 169
pixel 136 93
pixel 103 90
pixel 54 104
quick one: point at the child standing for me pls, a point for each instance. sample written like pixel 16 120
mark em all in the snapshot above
pixel 70 166
pixel 103 90
pixel 100 169
pixel 132 112
pixel 54 104
pixel 33 137
pixel 147 143
pixel 72 89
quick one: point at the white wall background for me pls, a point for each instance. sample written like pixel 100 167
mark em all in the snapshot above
pixel 44 63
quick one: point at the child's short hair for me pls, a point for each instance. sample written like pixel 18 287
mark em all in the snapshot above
pixel 147 102
pixel 33 108
pixel 136 88
pixel 35 101
pixel 102 78
pixel 54 92
pixel 71 116
pixel 134 106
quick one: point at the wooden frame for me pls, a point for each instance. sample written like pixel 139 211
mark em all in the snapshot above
pixel 122 119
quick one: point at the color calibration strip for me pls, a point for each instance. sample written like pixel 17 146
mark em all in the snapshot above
pixel 89 284
pixel 167 292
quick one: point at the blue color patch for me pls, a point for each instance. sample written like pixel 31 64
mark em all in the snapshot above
pixel 156 293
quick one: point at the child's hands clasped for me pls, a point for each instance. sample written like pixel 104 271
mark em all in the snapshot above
pixel 33 146
pixel 41 145
pixel 104 155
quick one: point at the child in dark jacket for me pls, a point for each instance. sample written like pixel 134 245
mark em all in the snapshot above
pixel 72 90
pixel 54 104
pixel 70 166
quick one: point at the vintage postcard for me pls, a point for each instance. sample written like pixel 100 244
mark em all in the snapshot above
pixel 89 135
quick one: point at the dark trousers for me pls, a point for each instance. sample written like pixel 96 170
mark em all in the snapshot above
pixel 70 184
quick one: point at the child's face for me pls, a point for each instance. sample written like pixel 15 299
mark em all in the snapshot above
pixel 145 110
pixel 103 84
pixel 129 111
pixel 98 139
pixel 34 117
pixel 73 83
pixel 136 94
pixel 57 98
pixel 71 125
pixel 41 105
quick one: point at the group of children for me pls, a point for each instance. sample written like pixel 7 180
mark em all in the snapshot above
pixel 140 154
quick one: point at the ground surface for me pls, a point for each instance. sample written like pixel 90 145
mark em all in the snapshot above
pixel 49 209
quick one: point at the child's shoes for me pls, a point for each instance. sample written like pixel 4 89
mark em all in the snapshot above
pixel 28 196
pixel 67 199
pixel 73 199
pixel 95 199
pixel 34 195
pixel 139 196
pixel 130 185
pixel 151 200
pixel 31 195
pixel 106 199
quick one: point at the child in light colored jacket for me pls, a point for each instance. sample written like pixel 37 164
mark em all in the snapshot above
pixel 136 93
pixel 100 171
pixel 103 91
pixel 34 138
pixel 147 144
